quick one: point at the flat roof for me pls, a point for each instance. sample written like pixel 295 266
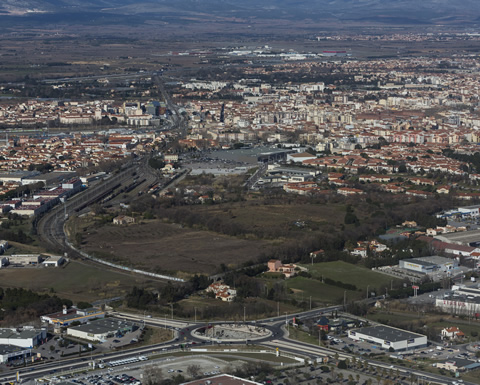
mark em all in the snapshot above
pixel 105 325
pixel 222 379
pixel 418 261
pixel 461 238
pixel 20 334
pixel 388 333
pixel 8 349
pixel 433 260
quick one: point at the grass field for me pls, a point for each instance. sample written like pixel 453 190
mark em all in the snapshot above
pixel 341 271
pixel 257 215
pixel 76 281
pixel 168 248
pixel 353 274
pixel 303 288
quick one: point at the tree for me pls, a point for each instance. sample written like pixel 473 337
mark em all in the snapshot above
pixel 193 370
pixel 152 375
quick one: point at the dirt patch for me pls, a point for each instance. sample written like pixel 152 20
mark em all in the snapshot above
pixel 161 247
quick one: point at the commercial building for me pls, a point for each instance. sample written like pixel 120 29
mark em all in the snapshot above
pixel 10 352
pixel 464 238
pixel 427 265
pixel 67 316
pixel 222 379
pixel 27 337
pixel 102 329
pixel 387 337
pixel 456 303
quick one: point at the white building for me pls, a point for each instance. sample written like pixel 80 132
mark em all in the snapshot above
pixel 102 329
pixel 456 303
pixel 10 352
pixel 387 337
pixel 427 265
pixel 27 337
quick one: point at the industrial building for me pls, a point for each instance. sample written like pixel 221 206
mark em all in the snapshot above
pixel 387 337
pixel 27 337
pixel 456 303
pixel 426 265
pixel 67 316
pixel 464 238
pixel 10 352
pixel 102 329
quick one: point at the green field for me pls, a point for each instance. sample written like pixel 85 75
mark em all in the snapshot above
pixel 303 288
pixel 356 275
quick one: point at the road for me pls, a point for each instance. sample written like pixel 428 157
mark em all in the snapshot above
pixel 277 338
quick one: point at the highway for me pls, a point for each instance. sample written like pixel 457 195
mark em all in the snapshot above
pixel 276 338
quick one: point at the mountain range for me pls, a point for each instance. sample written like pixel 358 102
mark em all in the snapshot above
pixel 387 11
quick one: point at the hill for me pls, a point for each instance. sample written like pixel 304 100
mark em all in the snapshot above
pixel 376 11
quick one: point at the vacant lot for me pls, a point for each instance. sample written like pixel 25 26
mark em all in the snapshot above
pixel 256 215
pixel 76 281
pixel 161 247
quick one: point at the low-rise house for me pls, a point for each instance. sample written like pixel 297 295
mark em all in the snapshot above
pixel 123 220
pixel 452 333
pixel 275 266
pixel 222 291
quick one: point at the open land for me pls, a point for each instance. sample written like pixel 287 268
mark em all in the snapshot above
pixel 169 248
pixel 77 281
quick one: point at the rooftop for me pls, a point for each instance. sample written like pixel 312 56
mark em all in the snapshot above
pixel 388 333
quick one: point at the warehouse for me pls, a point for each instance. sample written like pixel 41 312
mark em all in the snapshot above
pixel 28 337
pixel 427 265
pixel 10 352
pixel 464 238
pixel 68 316
pixel 102 329
pixel 455 303
pixel 387 337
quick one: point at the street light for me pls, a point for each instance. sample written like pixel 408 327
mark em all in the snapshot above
pixel 171 307
pixel 368 287
pixel 244 314
pixel 195 314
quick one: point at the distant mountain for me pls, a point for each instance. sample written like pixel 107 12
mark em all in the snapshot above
pixel 389 11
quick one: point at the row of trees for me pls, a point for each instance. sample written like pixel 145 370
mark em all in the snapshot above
pixel 20 305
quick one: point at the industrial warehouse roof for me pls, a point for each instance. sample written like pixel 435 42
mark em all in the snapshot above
pixel 105 325
pixel 430 261
pixel 460 238
pixel 19 334
pixel 9 349
pixel 388 333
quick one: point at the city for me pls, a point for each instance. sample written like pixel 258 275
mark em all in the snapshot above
pixel 233 200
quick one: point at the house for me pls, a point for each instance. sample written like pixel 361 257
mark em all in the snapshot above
pixel 275 266
pixel 222 291
pixel 123 220
pixel 360 251
pixel 452 333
